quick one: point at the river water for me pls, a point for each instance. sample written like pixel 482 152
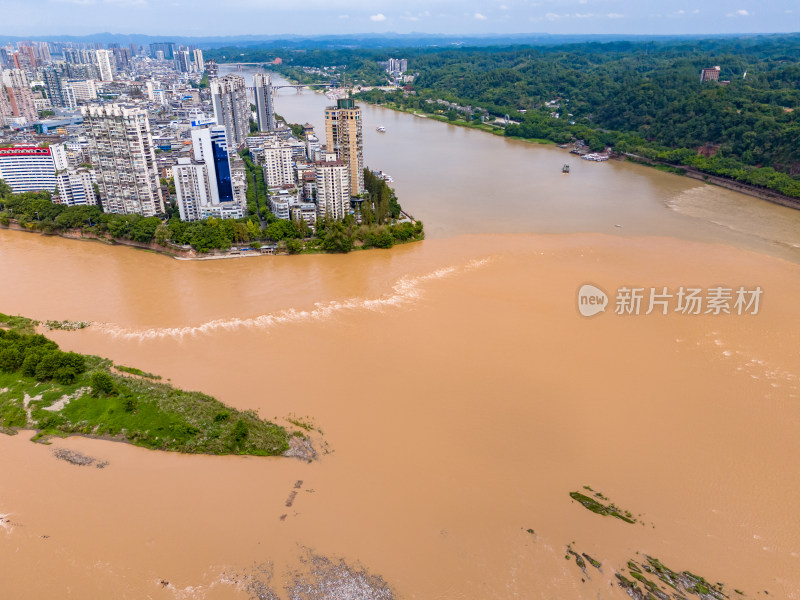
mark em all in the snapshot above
pixel 459 394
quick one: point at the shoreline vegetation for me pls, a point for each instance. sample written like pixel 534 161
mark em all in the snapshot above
pixel 59 393
pixel 382 225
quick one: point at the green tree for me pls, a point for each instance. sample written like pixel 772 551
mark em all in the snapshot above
pixel 336 237
pixel 253 230
pixel 294 246
pixel 161 234
pixel 282 230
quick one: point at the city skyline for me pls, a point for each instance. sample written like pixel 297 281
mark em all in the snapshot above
pixel 473 17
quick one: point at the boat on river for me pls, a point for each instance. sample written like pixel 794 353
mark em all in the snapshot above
pixel 565 169
pixel 380 129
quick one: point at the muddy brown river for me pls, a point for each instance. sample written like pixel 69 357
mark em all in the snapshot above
pixel 458 393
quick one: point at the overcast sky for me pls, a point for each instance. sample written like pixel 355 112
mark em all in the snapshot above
pixel 240 17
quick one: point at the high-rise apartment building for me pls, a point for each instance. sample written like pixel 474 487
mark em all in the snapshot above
pixel 265 112
pixel 28 169
pixel 397 66
pixel 25 57
pixel 5 105
pixel 232 108
pixel 38 53
pixel 333 183
pixel 192 188
pixel 168 48
pixel 60 157
pixel 72 56
pixel 104 59
pixel 199 64
pixel 83 71
pixel 210 146
pixel 122 58
pixel 19 96
pixel 205 185
pixel 344 137
pixel 278 167
pixel 182 62
pixel 122 152
pixel 76 187
pixel 54 85
pixel 77 91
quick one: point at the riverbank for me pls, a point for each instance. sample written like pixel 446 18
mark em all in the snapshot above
pixel 730 184
pixel 83 235
pixel 309 245
pixel 60 394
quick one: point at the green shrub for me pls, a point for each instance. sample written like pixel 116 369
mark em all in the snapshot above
pixel 240 431
pixel 102 383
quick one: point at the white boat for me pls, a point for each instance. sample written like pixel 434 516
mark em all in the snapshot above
pixel 595 157
pixel 380 129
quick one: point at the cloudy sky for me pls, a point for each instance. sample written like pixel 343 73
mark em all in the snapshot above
pixel 240 17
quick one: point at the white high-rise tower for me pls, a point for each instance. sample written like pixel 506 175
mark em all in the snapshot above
pixel 265 112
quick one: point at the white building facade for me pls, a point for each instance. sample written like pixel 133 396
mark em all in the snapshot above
pixel 122 152
pixel 333 188
pixel 278 166
pixel 262 92
pixel 76 187
pixel 192 188
pixel 28 169
pixel 104 59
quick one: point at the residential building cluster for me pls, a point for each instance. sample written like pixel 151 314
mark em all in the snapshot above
pixel 397 69
pixel 107 126
pixel 306 179
pixel 396 66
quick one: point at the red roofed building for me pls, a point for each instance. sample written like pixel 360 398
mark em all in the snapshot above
pixel 28 168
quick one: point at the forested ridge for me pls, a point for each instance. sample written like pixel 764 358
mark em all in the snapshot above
pixel 640 97
pixel 650 89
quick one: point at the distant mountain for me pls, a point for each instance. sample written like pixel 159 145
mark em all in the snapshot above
pixel 366 40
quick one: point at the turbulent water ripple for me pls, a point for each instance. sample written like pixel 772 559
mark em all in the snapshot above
pixel 404 291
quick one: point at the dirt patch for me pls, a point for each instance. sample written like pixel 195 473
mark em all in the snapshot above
pixel 301 448
pixel 65 399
